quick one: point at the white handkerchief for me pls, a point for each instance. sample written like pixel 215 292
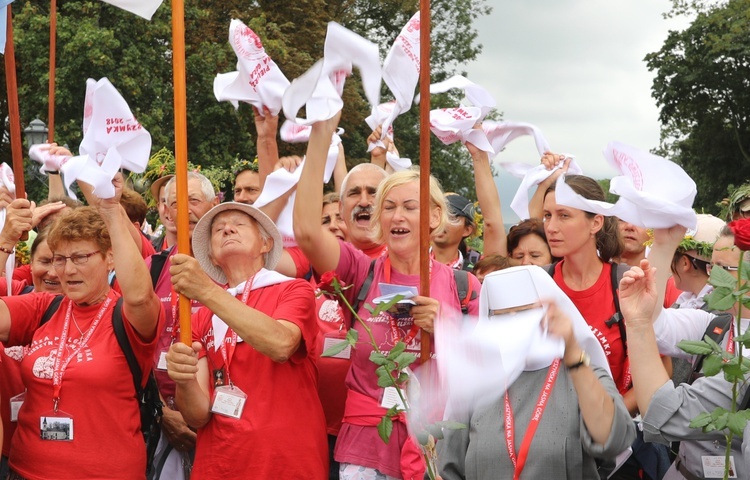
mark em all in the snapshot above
pixel 501 134
pixel 319 89
pixel 401 70
pixel 290 132
pixel 477 95
pixel 258 80
pixel 86 169
pixel 531 175
pixel 111 134
pixel 7 180
pixel 452 125
pixel 142 8
pixel 646 199
pixel 40 153
pixel 381 116
pixel 264 278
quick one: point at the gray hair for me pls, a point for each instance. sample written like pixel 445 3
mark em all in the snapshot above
pixel 358 168
pixel 206 187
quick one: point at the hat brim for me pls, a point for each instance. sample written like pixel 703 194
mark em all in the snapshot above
pixel 156 186
pixel 202 238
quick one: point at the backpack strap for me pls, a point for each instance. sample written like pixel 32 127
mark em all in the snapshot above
pixel 51 309
pixel 551 268
pixel 465 291
pixel 27 289
pixel 157 264
pixel 716 331
pixel 617 271
pixel 127 349
pixel 365 288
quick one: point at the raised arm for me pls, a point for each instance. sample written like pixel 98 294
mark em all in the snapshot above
pixel 268 150
pixel 665 244
pixel 316 242
pixel 536 204
pixel 495 239
pixel 141 305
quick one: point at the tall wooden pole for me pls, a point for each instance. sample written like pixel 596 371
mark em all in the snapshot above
pixel 52 68
pixel 424 162
pixel 180 152
pixel 13 111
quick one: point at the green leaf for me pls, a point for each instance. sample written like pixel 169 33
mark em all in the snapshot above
pixel 745 270
pixel 721 419
pixel 721 278
pixel 352 336
pixel 714 346
pixel 736 422
pixel 370 309
pixel 396 350
pixel 382 307
pixel 701 421
pixel 402 378
pixel 385 428
pixel 335 349
pixel 695 347
pixel 378 358
pixel 712 365
pixel 721 298
pixel 405 359
pixel 385 379
pixel 745 337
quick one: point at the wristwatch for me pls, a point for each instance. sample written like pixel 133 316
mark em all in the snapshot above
pixel 584 360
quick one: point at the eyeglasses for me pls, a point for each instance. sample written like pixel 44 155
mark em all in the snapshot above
pixel 59 261
pixel 727 268
pixel 699 264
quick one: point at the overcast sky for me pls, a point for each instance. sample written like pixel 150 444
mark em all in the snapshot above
pixel 575 69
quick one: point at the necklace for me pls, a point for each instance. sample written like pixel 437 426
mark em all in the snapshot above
pixel 76 324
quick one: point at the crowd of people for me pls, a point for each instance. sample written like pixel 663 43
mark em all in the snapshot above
pixel 253 397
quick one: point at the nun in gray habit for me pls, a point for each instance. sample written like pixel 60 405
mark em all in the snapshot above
pixel 559 410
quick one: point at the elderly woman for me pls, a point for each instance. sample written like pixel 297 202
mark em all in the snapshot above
pixel 248 382
pixel 564 383
pixel 396 220
pixel 79 385
pixel 527 244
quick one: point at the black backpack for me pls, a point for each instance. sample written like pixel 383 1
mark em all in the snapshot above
pixel 147 397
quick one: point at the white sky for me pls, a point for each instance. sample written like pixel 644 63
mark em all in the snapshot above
pixel 575 69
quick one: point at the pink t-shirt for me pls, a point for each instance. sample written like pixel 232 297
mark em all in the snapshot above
pixel 281 433
pixel 97 392
pixel 361 445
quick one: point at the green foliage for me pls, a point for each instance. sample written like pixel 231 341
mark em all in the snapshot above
pixel 701 90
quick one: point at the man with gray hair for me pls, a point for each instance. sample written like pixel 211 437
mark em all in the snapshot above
pixel 173 457
pixel 357 200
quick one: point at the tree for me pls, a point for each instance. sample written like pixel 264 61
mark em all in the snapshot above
pixel 98 40
pixel 701 87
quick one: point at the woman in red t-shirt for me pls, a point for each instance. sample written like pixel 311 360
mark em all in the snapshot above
pixel 587 243
pixel 79 388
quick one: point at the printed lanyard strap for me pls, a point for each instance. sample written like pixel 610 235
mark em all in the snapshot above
pixel 227 355
pixel 541 405
pixel 61 364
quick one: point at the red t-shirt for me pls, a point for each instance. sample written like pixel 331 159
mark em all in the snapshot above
pixel 597 305
pixel 97 391
pixel 671 294
pixel 281 433
pixel 10 374
pixel 23 274
pixel 146 248
pixel 361 445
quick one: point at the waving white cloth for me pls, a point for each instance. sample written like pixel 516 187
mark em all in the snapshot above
pixel 290 132
pixel 280 182
pixel 264 278
pixel 142 8
pixel 112 139
pixel 319 89
pixel 501 134
pixel 258 80
pixel 654 192
pixel 479 362
pixel 381 116
pixel 401 74
pixel 7 180
pixel 452 125
pixel 50 163
pixel 477 95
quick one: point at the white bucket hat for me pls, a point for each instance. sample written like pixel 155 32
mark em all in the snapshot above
pixel 202 238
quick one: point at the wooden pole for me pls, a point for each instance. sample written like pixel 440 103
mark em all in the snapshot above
pixel 424 162
pixel 180 152
pixel 52 69
pixel 14 113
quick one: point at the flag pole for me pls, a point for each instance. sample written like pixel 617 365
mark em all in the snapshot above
pixel 13 109
pixel 52 68
pixel 424 163
pixel 180 152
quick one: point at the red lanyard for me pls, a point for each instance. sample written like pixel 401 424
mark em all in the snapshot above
pixel 174 299
pixel 541 405
pixel 227 356
pixel 62 364
pixel 730 340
